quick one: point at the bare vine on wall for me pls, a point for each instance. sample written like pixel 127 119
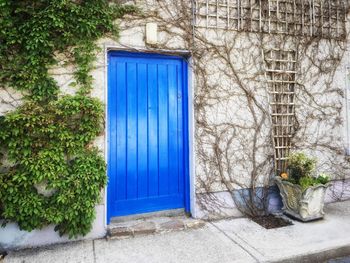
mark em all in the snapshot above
pixel 233 144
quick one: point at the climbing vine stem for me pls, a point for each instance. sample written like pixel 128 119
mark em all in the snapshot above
pixel 46 142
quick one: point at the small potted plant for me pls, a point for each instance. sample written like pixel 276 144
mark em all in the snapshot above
pixel 302 190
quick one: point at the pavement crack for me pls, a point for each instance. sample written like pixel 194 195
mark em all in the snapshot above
pixel 238 244
pixel 94 250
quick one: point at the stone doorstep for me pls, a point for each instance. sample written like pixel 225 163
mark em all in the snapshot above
pixel 149 226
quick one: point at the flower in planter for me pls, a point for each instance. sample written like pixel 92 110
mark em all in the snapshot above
pixel 284 176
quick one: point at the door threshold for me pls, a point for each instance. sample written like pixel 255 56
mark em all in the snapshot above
pixel 164 213
pixel 152 223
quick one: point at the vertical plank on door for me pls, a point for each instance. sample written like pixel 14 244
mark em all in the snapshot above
pixel 112 119
pixel 152 129
pixel 142 135
pixel 131 87
pixel 121 147
pixel 163 129
pixel 173 130
pixel 180 120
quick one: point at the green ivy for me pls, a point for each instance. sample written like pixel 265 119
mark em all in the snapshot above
pixel 48 139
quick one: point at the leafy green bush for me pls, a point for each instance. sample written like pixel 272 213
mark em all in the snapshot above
pixel 48 139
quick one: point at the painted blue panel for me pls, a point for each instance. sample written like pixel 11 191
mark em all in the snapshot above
pixel 152 129
pixel 163 129
pixel 173 129
pixel 120 148
pixel 147 133
pixel 131 131
pixel 142 139
pixel 112 130
pixel 180 130
pixel 186 99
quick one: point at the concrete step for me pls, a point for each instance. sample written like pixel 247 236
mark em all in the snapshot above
pixel 164 213
pixel 152 225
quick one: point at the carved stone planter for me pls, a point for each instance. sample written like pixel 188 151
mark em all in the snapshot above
pixel 304 205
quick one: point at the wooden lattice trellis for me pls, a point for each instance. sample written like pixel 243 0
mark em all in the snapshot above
pixel 280 71
pixel 307 18
pixel 321 18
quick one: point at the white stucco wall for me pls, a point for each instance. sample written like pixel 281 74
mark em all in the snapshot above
pixel 11 237
pixel 225 104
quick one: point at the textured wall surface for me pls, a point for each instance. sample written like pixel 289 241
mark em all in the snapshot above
pixel 231 146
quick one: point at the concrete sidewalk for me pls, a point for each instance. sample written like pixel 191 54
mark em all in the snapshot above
pixel 235 240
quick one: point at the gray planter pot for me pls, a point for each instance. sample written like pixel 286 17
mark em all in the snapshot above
pixel 304 205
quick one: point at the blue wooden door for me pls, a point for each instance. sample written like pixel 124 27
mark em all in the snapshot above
pixel 147 133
